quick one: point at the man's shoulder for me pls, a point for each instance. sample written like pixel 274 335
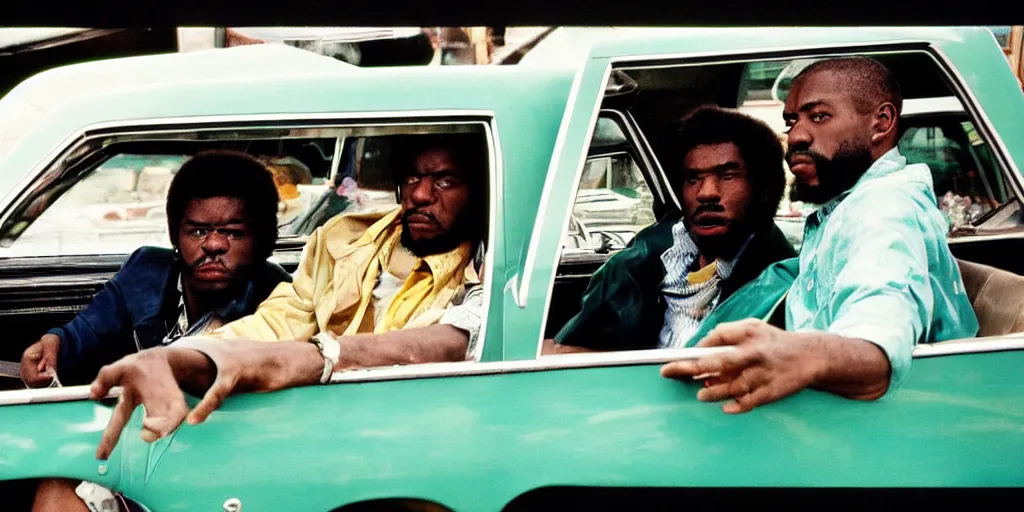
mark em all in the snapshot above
pixel 271 273
pixel 346 228
pixel 149 259
pixel 146 271
pixel 772 242
pixel 889 199
pixel 659 234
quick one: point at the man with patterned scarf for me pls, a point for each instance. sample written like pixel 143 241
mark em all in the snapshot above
pixel 727 169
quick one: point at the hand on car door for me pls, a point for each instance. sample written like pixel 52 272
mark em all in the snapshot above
pixel 39 362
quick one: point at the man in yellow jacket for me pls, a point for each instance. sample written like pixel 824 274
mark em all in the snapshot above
pixel 366 279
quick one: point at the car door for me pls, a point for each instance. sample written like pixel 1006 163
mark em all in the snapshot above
pixel 632 428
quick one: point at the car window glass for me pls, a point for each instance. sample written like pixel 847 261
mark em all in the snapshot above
pixel 970 188
pixel 967 184
pixel 118 202
pixel 613 204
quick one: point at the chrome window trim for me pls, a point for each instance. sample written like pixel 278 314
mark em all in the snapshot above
pixel 1011 342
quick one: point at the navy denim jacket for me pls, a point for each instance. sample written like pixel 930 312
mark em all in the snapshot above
pixel 136 309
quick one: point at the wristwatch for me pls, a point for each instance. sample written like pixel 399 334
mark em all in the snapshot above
pixel 331 350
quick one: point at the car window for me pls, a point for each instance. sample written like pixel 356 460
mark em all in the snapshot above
pixel 967 183
pixel 121 203
pixel 613 201
pixel 970 187
pixel 116 200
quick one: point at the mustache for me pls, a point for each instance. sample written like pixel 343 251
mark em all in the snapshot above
pixel 709 208
pixel 409 213
pixel 203 260
pixel 804 150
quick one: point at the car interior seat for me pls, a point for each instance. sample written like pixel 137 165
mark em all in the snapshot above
pixel 997 297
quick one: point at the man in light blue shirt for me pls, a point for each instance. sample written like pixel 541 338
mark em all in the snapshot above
pixel 875 272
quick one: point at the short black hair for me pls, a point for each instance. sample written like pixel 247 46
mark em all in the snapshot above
pixel 758 144
pixel 468 151
pixel 223 173
pixel 869 81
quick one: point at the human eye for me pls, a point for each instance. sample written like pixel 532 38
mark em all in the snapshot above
pixel 198 232
pixel 234 234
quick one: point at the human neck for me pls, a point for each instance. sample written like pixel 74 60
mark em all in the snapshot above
pixel 199 303
pixel 711 252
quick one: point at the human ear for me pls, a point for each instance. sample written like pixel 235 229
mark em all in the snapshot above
pixel 884 122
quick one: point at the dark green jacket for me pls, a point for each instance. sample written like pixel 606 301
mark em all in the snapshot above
pixel 623 307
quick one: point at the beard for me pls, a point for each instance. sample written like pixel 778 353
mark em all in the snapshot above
pixel 441 243
pixel 835 175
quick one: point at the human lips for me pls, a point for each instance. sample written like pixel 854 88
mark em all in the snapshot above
pixel 709 219
pixel 422 222
pixel 420 218
pixel 801 165
pixel 211 270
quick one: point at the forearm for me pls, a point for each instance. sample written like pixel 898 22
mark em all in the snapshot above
pixel 850 367
pixel 437 343
pixel 256 366
pixel 193 370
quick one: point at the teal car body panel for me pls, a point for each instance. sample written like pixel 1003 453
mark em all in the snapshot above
pixel 475 436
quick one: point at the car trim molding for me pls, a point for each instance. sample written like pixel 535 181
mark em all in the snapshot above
pixel 1011 342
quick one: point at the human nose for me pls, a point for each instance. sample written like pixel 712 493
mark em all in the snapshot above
pixel 709 190
pixel 215 242
pixel 799 136
pixel 421 192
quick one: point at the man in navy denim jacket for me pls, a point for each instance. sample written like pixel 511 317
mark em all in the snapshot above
pixel 222 221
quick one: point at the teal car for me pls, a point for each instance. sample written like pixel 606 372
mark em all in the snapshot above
pixel 82 154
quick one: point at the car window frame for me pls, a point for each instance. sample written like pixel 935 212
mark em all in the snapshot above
pixel 51 169
pixel 635 146
pixel 945 68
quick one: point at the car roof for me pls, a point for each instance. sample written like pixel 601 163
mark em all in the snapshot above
pixel 654 41
pixel 568 43
pixel 44 111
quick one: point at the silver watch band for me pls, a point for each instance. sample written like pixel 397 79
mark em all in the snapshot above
pixel 330 349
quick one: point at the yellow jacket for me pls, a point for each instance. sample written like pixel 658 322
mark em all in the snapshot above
pixel 332 289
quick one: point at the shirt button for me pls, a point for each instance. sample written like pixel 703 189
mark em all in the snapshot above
pixel 810 284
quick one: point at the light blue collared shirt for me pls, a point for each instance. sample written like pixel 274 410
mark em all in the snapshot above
pixel 875 265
